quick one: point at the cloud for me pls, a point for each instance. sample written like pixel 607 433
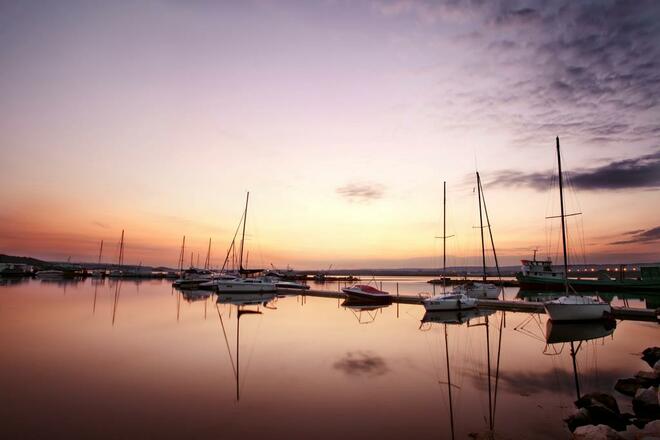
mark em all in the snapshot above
pixel 587 71
pixel 641 236
pixel 639 172
pixel 361 192
pixel 362 364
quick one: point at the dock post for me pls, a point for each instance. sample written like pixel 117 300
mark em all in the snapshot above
pixel 433 288
pixel 381 285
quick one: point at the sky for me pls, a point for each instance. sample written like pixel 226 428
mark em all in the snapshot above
pixel 342 118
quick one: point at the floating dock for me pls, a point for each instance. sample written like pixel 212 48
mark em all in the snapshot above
pixel 623 313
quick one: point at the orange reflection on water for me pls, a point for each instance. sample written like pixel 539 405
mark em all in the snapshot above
pixel 307 367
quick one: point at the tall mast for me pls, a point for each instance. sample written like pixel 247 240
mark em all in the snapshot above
pixel 444 233
pixel 121 249
pixel 207 263
pixel 100 251
pixel 481 228
pixel 563 217
pixel 240 261
pixel 490 232
pixel 181 254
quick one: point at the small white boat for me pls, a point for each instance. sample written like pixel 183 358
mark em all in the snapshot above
pixel 452 301
pixel 478 290
pixel 246 285
pixel 366 293
pixel 50 274
pixel 577 308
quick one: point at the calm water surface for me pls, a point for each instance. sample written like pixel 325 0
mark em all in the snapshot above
pixel 140 360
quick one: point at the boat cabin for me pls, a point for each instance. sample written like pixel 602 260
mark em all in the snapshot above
pixel 540 268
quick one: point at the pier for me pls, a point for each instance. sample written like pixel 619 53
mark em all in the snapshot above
pixel 623 313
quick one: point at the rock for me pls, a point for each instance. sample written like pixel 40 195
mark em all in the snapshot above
pixel 597 432
pixel 601 409
pixel 651 355
pixel 651 430
pixel 645 403
pixel 628 386
pixel 604 399
pixel 579 418
pixel 648 378
pixel 632 432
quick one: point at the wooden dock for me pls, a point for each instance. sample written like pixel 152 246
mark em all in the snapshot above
pixel 623 313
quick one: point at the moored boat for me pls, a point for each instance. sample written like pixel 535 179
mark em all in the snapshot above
pixel 577 308
pixel 365 292
pixel 450 301
pixel 478 290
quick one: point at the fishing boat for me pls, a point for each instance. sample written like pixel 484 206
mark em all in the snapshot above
pixel 572 307
pixel 365 292
pixel 540 274
pixel 450 301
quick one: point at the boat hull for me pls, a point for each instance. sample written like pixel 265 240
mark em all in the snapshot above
pixel 577 312
pixel 432 305
pixel 365 296
pixel 545 283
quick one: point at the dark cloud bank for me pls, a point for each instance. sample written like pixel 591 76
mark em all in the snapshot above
pixel 639 172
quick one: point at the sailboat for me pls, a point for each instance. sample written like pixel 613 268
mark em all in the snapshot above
pixel 243 283
pixel 456 300
pixel 482 289
pixel 572 307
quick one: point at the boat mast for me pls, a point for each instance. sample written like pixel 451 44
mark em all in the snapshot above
pixel 451 406
pixel 207 263
pixel 444 240
pixel 100 251
pixel 121 249
pixel 181 254
pixel 481 228
pixel 240 261
pixel 563 217
pixel 490 233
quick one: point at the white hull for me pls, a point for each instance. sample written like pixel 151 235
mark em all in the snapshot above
pixel 576 312
pixel 245 299
pixel 449 302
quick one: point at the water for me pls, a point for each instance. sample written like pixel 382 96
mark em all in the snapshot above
pixel 87 359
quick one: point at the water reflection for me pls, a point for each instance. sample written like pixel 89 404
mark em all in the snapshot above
pixel 365 312
pixel 117 349
pixel 560 333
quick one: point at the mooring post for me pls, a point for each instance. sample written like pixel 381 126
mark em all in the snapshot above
pixel 397 299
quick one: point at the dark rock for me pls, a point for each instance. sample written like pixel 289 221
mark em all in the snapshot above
pixel 628 386
pixel 601 409
pixel 645 403
pixel 579 418
pixel 651 355
pixel 648 378
pixel 603 399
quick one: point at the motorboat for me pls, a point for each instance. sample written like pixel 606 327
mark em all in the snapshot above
pixel 451 301
pixel 365 292
pixel 246 285
pixel 478 290
pixel 281 284
pixel 577 308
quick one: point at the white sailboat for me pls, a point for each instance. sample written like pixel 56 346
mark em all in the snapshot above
pixel 244 284
pixel 455 300
pixel 572 307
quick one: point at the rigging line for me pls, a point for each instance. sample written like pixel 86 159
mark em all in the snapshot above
pixel 233 241
pixel 490 232
pixel 497 367
pixel 224 332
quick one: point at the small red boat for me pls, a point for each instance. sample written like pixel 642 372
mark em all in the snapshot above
pixel 364 292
